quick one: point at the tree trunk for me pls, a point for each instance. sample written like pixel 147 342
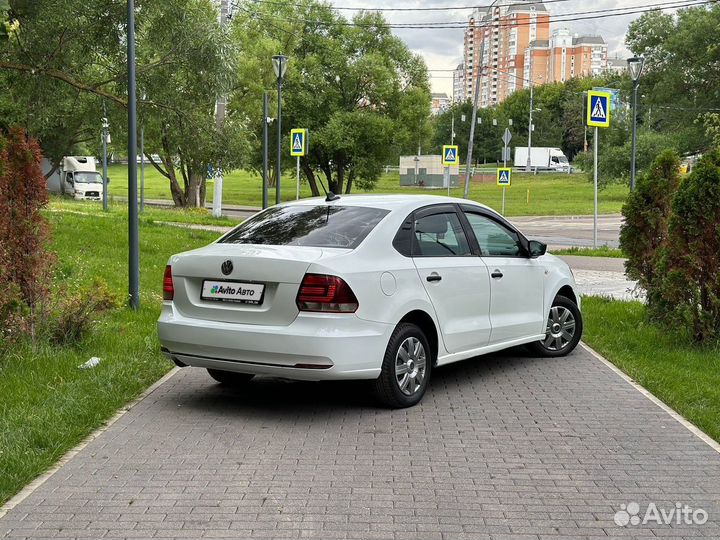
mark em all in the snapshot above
pixel 310 175
pixel 195 192
pixel 340 178
pixel 328 176
pixel 351 177
pixel 177 193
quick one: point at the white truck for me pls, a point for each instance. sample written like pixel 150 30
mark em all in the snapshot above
pixel 542 159
pixel 76 177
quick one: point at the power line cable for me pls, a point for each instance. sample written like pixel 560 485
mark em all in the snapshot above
pixel 568 17
pixel 427 8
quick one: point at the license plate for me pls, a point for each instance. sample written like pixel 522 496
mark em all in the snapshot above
pixel 233 291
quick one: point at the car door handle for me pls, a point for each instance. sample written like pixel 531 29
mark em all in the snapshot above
pixel 434 277
pixel 497 274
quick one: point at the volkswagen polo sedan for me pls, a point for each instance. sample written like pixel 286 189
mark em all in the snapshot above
pixel 384 288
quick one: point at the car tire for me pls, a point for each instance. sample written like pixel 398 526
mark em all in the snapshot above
pixel 563 329
pixel 230 378
pixel 406 368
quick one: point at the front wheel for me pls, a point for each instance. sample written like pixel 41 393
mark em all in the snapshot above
pixel 563 329
pixel 406 368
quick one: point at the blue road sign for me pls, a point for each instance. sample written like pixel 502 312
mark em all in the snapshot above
pixel 504 174
pixel 598 110
pixel 298 142
pixel 450 155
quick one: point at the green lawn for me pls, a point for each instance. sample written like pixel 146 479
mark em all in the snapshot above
pixel 602 251
pixel 684 376
pixel 48 405
pixel 544 194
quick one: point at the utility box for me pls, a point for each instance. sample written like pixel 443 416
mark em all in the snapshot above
pixel 426 171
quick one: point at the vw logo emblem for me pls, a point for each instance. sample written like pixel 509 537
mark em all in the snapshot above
pixel 227 267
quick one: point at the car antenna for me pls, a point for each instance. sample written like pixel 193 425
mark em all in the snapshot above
pixel 329 195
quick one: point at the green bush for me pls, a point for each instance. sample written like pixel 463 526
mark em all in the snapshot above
pixel 691 259
pixel 75 315
pixel 671 235
pixel 644 231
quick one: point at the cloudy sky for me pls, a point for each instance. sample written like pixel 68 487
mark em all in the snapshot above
pixel 442 48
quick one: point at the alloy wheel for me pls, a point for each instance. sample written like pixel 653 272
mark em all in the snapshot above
pixel 410 366
pixel 560 328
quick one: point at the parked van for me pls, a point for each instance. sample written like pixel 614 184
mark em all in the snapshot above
pixel 76 177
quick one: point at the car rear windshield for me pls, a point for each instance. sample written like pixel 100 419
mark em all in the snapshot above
pixel 316 226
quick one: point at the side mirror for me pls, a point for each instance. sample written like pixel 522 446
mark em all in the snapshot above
pixel 536 249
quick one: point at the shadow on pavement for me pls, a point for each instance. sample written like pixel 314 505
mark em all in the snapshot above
pixel 283 395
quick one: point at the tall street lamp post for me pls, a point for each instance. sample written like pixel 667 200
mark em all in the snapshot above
pixel 279 66
pixel 635 67
pixel 133 225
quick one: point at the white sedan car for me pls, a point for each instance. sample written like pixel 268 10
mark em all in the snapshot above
pixel 385 288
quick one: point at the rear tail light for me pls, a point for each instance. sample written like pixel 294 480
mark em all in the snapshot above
pixel 329 294
pixel 168 289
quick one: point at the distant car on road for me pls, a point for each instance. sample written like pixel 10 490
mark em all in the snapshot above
pixel 365 287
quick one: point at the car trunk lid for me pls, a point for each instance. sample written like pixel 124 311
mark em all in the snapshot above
pixel 279 268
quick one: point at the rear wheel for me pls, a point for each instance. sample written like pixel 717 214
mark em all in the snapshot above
pixel 406 368
pixel 230 378
pixel 563 329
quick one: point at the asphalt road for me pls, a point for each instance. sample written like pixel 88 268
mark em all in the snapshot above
pixel 570 231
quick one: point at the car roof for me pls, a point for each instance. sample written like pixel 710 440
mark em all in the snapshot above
pixel 388 202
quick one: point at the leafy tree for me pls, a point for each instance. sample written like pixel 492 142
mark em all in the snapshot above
pixel 682 69
pixel 193 60
pixel 59 79
pixel 358 89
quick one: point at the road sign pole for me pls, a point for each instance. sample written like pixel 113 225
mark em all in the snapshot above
pixel 595 175
pixel 297 194
pixel 446 176
pixel 504 166
pixel 142 169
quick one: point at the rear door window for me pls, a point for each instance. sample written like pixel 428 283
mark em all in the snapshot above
pixel 440 235
pixel 301 225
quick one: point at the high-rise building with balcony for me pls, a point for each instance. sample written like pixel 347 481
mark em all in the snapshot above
pixel 458 95
pixel 509 46
pixel 495 43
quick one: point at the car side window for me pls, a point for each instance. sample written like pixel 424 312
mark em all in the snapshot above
pixel 440 235
pixel 494 239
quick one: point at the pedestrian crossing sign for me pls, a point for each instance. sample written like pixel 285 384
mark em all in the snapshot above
pixel 450 155
pixel 298 142
pixel 598 109
pixel 504 174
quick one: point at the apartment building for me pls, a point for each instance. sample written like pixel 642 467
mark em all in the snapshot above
pixel 459 84
pixel 508 45
pixel 439 102
pixel 495 42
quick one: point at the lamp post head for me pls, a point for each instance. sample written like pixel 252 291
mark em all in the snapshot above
pixel 635 67
pixel 279 62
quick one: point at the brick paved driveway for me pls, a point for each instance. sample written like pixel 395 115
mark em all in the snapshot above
pixel 507 446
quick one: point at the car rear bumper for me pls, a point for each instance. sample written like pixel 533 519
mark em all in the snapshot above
pixel 315 346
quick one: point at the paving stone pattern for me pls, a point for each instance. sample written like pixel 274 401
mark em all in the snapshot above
pixel 504 446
